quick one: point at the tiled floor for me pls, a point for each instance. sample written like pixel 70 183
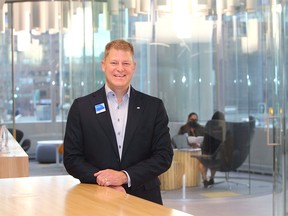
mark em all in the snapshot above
pixel 221 199
pixel 248 206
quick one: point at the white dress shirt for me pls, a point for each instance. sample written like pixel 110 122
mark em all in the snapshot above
pixel 118 112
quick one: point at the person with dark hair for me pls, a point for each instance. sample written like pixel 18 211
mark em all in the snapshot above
pixel 213 137
pixel 192 127
pixel 118 137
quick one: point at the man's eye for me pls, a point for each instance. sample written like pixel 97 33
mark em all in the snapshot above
pixel 126 63
pixel 114 63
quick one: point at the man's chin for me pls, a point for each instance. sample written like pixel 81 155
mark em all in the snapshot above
pixel 120 85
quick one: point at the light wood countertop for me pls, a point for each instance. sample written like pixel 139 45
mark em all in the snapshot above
pixel 64 195
pixel 14 161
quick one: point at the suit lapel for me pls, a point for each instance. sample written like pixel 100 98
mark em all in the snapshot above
pixel 104 118
pixel 135 110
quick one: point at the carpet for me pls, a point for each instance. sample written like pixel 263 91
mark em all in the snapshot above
pixel 46 169
pixel 219 194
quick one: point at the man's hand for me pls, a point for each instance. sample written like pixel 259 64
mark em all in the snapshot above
pixel 118 188
pixel 109 177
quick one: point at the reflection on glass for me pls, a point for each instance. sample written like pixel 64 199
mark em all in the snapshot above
pixel 197 56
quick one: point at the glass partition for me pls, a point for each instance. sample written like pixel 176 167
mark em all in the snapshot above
pixel 198 56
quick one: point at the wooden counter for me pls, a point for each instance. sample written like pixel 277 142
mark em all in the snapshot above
pixel 182 164
pixel 14 161
pixel 173 178
pixel 191 165
pixel 64 195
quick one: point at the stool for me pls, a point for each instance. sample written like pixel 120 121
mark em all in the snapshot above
pixel 172 178
pixel 45 153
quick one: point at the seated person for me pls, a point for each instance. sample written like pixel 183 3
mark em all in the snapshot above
pixel 214 136
pixel 192 128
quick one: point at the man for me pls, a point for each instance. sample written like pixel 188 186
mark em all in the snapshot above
pixel 118 137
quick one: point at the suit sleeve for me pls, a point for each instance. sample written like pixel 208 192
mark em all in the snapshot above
pixel 74 159
pixel 146 172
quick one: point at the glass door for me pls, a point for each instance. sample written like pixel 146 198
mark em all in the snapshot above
pixel 276 93
pixel 251 63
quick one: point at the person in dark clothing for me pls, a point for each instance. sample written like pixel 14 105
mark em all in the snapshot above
pixel 192 127
pixel 118 137
pixel 213 137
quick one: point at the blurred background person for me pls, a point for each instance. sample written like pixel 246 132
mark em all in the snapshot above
pixel 192 127
pixel 214 136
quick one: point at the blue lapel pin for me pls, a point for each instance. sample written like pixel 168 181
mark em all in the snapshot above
pixel 99 108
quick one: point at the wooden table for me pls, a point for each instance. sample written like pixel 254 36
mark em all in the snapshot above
pixel 64 195
pixel 191 165
pixel 14 161
pixel 173 178
pixel 182 164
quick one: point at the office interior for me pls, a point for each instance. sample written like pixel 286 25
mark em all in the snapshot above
pixel 196 55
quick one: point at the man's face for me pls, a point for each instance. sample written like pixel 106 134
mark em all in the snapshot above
pixel 118 67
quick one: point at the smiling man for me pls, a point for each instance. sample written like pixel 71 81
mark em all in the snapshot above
pixel 117 136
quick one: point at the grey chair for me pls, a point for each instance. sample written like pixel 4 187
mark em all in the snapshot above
pixel 26 144
pixel 233 149
pixel 19 134
pixel 45 153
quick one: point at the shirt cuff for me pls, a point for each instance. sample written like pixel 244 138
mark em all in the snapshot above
pixel 129 180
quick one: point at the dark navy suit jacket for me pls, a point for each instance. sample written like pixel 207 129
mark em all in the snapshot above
pixel 90 142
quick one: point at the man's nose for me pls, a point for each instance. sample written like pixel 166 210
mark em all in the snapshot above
pixel 120 67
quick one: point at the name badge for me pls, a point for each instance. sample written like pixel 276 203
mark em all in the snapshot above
pixel 99 108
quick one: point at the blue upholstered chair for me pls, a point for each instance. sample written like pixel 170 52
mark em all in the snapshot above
pixel 46 153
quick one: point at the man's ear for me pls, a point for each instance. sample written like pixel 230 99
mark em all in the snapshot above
pixel 103 65
pixel 134 63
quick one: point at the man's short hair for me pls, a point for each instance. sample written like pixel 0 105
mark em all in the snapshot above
pixel 119 45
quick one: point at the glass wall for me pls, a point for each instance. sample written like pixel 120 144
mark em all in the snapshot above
pixel 196 55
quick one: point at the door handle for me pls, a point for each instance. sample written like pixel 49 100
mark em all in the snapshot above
pixel 274 133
